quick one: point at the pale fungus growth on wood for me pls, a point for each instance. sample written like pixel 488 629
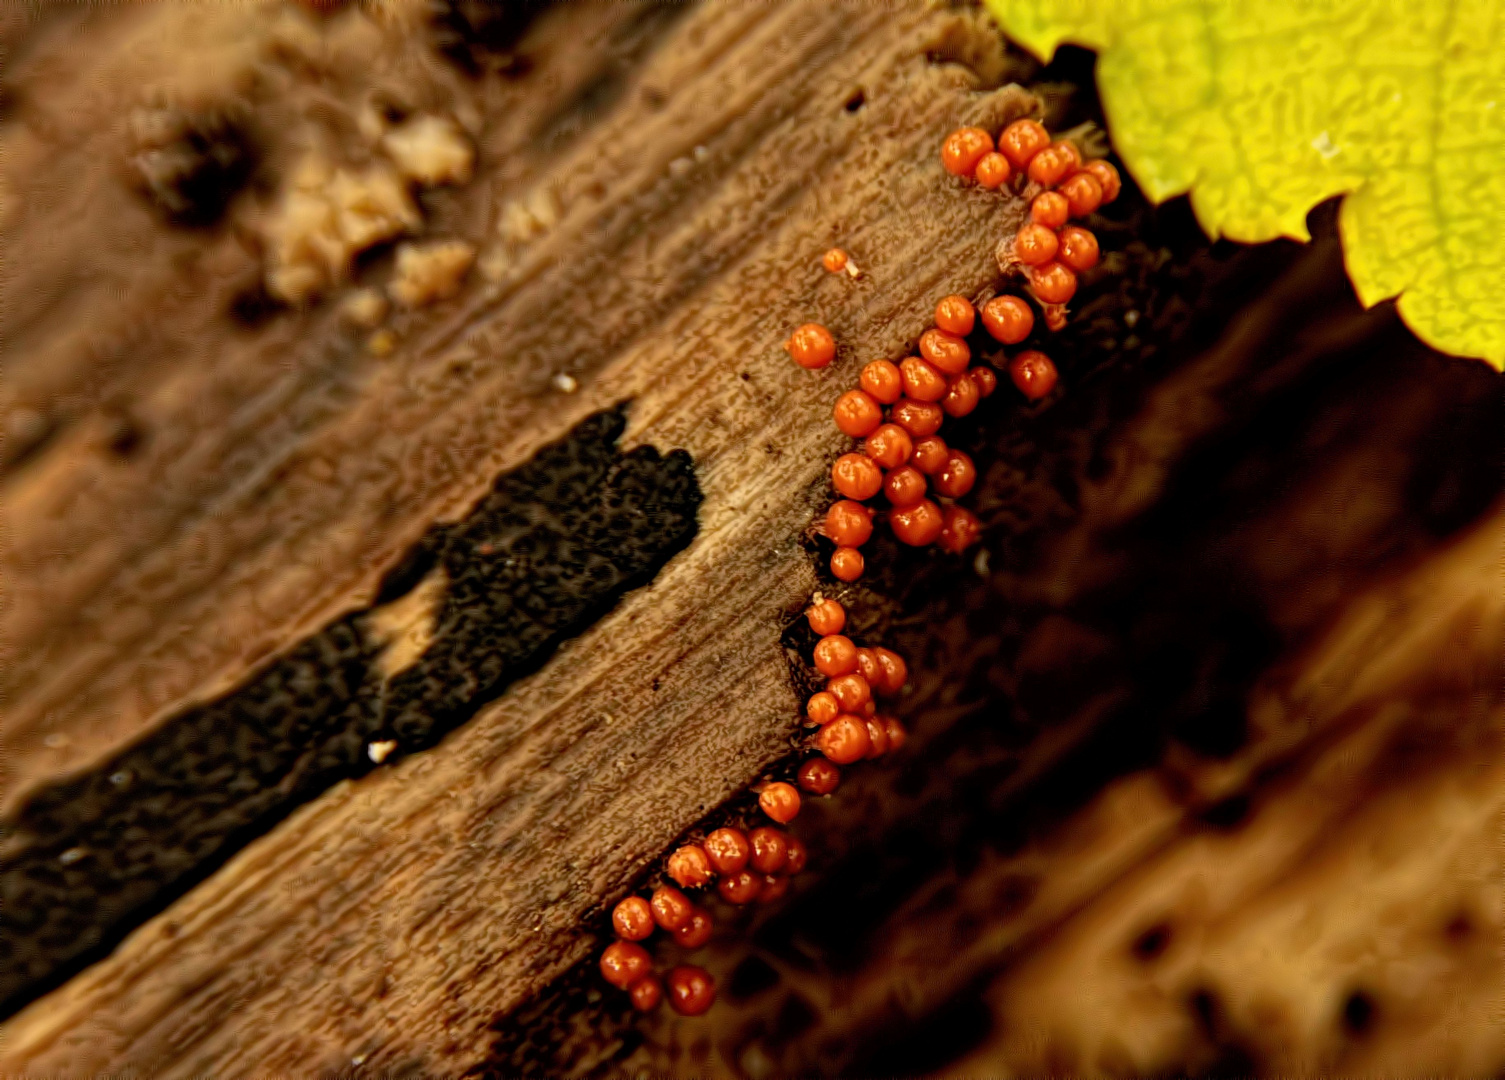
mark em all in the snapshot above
pixel 429 272
pixel 430 150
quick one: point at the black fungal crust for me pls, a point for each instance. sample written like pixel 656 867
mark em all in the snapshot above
pixel 547 552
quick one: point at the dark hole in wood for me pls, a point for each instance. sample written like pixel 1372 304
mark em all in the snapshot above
pixel 1358 1013
pixel 1459 927
pixel 856 101
pixel 253 306
pixel 192 177
pixel 1203 1004
pixel 1233 1062
pixel 795 1017
pixel 1151 944
pixel 125 436
pixel 1226 813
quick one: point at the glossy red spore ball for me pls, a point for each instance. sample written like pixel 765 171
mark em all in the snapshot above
pixel 690 867
pixel 1033 373
pixel 895 672
pixel 799 855
pixel 882 381
pixel 696 931
pixel 877 737
pixel 960 530
pixel 857 414
pixel 905 486
pixel 889 446
pixel 1050 166
pixel 739 888
pixel 963 149
pixel 962 396
pixel 811 346
pixel 1073 156
pixel 929 455
pixel 770 850
pixel 947 352
pixel 897 736
pixel 844 740
pixel 823 707
pixel 849 523
pixel 847 564
pixel 867 666
pixel 955 315
pixel 819 777
pixel 1021 141
pixel 828 616
pixel 1050 209
pixel 1052 283
pixel 920 418
pixel 624 963
pixel 917 525
pixel 985 380
pixel 835 655
pixel 671 908
pixel 856 477
pixel 852 691
pixel 691 990
pixel 1008 318
pixel 728 849
pixel 1107 178
pixel 1035 244
pixel 834 260
pixel 632 919
pixel 993 171
pixel 957 476
pixel 1078 248
pixel 781 801
pixel 773 888
pixel 922 382
pixel 646 993
pixel 1083 193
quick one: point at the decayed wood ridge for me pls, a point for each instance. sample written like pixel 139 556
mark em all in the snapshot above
pixel 393 918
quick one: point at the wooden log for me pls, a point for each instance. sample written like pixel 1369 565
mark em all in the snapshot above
pixel 694 211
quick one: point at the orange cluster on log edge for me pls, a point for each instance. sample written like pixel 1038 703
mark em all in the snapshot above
pixel 756 865
pixel 1060 185
pixel 897 410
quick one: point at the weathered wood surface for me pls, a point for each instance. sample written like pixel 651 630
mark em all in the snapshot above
pixel 283 470
pixel 1048 881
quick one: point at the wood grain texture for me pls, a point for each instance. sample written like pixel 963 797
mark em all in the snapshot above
pixel 392 919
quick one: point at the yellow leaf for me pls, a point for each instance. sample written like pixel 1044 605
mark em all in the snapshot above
pixel 1263 108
